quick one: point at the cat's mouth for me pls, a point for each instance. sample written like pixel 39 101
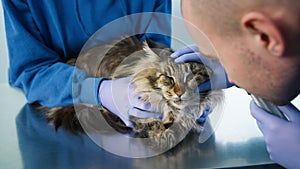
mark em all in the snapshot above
pixel 178 103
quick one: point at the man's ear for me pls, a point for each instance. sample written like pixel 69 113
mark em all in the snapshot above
pixel 265 32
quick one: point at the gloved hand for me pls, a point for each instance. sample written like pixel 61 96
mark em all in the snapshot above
pixel 118 97
pixel 203 117
pixel 219 79
pixel 282 137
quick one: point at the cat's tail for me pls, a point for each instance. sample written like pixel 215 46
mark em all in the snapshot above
pixel 83 119
pixel 64 117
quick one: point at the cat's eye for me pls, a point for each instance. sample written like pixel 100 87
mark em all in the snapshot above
pixel 169 81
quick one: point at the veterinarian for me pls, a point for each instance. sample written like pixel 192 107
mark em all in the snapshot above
pixel 42 35
pixel 258 46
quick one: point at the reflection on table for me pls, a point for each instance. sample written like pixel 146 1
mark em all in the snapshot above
pixel 43 147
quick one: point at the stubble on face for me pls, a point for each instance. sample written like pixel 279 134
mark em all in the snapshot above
pixel 259 75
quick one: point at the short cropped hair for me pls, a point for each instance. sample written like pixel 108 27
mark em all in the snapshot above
pixel 225 15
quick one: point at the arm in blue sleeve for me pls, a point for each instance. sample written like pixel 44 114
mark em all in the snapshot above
pixel 34 67
pixel 163 24
pixel 159 29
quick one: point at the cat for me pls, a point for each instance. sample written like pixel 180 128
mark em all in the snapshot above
pixel 170 88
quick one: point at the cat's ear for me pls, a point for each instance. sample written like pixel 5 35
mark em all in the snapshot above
pixel 149 52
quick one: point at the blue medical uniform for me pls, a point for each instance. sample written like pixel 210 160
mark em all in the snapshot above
pixel 42 34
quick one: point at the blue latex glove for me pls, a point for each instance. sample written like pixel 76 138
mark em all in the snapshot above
pixel 282 137
pixel 119 98
pixel 219 79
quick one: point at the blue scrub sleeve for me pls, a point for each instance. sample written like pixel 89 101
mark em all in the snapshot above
pixel 34 67
pixel 163 24
pixel 37 63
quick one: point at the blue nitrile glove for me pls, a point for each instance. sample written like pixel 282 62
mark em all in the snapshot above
pixel 219 79
pixel 203 117
pixel 282 137
pixel 119 98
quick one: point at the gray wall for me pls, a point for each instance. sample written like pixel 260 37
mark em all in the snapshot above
pixel 3 50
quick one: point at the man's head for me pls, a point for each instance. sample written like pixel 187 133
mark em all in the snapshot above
pixel 257 42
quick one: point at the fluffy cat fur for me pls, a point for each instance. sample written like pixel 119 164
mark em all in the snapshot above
pixel 169 87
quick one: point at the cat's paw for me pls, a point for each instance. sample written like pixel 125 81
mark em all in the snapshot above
pixel 147 127
pixel 168 119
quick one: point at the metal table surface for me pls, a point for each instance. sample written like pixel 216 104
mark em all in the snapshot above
pixel 27 141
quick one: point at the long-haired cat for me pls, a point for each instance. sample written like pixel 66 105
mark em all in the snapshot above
pixel 170 88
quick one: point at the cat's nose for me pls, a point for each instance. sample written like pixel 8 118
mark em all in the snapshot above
pixel 179 93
